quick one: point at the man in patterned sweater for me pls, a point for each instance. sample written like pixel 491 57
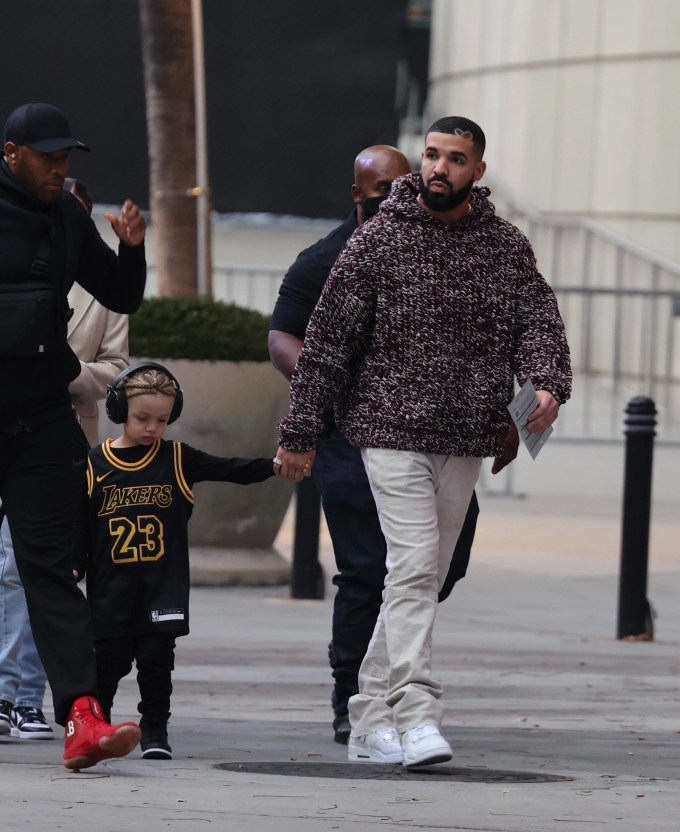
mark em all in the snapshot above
pixel 348 504
pixel 429 314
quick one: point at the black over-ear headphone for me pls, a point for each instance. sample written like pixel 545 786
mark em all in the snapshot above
pixel 116 397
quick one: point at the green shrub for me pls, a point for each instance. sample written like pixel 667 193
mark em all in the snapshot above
pixel 198 328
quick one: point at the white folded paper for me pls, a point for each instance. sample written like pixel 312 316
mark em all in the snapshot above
pixel 520 408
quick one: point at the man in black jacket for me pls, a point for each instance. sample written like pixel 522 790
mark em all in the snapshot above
pixel 47 242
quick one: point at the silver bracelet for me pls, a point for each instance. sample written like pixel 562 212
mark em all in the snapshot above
pixel 277 461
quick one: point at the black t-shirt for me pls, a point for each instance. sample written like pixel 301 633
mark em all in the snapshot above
pixel 305 279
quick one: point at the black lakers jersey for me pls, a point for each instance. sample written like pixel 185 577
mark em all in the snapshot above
pixel 140 502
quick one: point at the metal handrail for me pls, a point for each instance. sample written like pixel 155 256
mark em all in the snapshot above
pixel 621 305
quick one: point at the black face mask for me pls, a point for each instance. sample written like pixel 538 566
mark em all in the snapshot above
pixel 370 205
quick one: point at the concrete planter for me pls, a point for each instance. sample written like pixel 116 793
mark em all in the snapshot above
pixel 231 409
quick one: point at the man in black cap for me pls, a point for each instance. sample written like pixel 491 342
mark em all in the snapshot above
pixel 47 242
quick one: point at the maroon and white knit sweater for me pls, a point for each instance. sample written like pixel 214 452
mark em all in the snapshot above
pixel 420 330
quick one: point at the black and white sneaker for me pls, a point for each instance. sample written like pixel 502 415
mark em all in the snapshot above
pixel 155 742
pixel 5 716
pixel 30 724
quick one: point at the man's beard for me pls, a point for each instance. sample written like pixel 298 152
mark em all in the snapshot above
pixel 442 202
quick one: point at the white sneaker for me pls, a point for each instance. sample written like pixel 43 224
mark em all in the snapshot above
pixel 29 723
pixel 424 746
pixel 380 746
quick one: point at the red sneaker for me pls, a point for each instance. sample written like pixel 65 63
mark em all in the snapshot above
pixel 89 739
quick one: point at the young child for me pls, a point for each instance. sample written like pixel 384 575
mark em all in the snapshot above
pixel 134 545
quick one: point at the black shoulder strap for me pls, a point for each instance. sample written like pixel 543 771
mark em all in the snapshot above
pixel 40 268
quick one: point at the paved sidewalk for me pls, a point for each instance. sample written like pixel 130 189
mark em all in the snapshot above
pixel 555 724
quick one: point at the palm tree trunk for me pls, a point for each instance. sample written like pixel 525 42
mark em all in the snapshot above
pixel 167 51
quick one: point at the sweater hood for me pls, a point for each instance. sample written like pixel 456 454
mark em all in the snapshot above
pixel 403 200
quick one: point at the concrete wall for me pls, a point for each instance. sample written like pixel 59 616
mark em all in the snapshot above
pixel 578 99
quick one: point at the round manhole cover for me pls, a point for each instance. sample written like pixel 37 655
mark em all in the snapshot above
pixel 366 771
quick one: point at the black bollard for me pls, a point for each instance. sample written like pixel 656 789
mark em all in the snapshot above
pixel 307 578
pixel 635 614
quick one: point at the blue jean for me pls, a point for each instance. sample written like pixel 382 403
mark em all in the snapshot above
pixel 22 678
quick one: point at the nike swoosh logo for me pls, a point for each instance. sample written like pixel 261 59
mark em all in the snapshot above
pixel 104 476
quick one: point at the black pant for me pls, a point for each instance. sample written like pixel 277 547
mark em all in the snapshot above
pixel 360 554
pixel 42 484
pixel 154 655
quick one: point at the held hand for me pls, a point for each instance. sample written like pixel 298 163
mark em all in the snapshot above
pixel 545 414
pixel 509 452
pixel 278 464
pixel 295 465
pixel 130 225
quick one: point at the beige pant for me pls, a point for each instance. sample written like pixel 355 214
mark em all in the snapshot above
pixel 422 500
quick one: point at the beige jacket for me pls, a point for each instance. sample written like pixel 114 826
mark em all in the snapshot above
pixel 100 340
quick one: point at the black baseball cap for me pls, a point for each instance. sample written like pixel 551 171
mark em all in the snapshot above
pixel 41 127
